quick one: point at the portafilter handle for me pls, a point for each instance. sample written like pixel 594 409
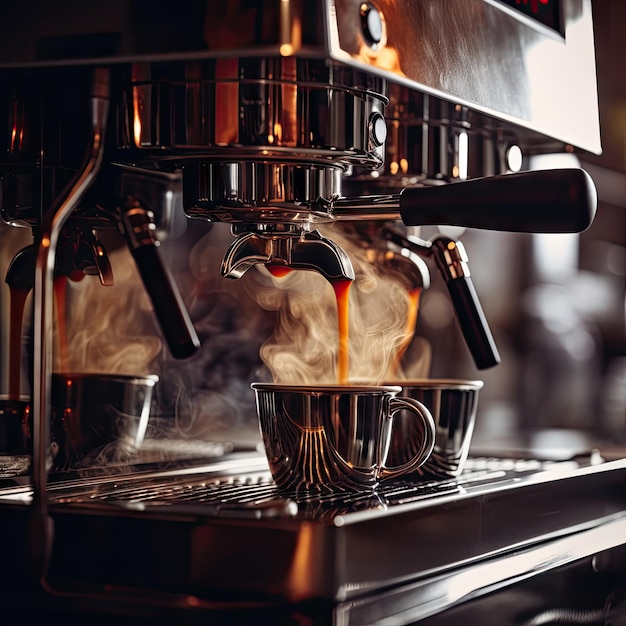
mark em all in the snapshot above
pixel 541 201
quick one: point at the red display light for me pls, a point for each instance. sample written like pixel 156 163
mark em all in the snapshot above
pixel 544 11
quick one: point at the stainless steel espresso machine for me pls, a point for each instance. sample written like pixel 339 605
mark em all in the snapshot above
pixel 164 166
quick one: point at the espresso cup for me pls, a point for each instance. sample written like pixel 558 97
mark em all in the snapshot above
pixel 334 438
pixel 98 419
pixel 453 405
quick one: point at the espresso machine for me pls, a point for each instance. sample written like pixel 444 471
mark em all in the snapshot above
pixel 244 142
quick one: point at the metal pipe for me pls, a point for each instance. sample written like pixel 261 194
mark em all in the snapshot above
pixel 51 226
pixel 384 207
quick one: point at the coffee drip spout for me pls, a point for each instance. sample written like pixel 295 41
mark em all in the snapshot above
pixel 79 253
pixel 285 247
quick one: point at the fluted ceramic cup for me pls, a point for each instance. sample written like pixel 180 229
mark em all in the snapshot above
pixel 334 438
pixel 453 405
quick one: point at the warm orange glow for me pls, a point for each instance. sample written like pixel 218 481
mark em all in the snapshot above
pixel 393 168
pixel 278 271
pixel 290 29
pixel 17 129
pixel 26 422
pixel 342 292
pixel 226 92
pixel 286 127
pixel 411 320
pixel 302 564
pixel 136 125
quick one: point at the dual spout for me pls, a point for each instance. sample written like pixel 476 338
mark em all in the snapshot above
pixel 280 250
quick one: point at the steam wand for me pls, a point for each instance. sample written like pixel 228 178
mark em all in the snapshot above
pixel 451 260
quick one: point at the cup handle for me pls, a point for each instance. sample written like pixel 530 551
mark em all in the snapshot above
pixel 428 443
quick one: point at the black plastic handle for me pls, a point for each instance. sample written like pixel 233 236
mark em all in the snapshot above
pixel 168 304
pixel 542 201
pixel 473 323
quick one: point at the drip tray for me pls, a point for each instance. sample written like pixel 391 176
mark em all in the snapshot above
pixel 223 530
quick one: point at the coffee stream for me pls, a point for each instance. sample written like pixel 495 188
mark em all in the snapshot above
pixel 342 293
pixel 357 331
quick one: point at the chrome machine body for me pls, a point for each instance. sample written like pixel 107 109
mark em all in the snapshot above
pixel 280 119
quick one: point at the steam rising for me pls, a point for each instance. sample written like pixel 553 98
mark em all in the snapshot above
pixel 257 328
pixel 303 347
pixel 110 329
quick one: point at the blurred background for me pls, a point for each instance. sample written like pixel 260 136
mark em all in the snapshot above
pixel 556 304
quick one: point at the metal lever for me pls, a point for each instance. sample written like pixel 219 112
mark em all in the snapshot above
pixel 451 261
pixel 137 224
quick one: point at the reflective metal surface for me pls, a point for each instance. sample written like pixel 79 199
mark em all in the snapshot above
pixel 485 55
pixel 431 141
pixel 478 53
pixel 259 107
pixel 98 419
pixel 227 532
pixel 259 191
pixel 330 439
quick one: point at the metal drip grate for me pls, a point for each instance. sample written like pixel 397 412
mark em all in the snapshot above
pixel 225 528
pixel 254 494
